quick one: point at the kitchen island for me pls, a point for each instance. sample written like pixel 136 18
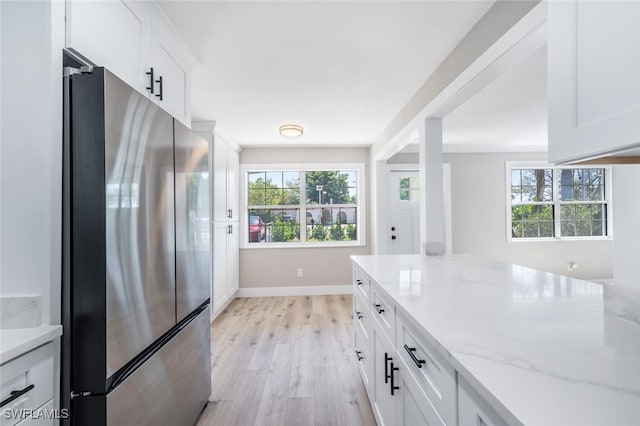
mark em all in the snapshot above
pixel 477 340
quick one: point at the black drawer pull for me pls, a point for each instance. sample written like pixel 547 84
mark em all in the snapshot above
pixel 387 358
pixel 359 355
pixel 15 395
pixel 151 80
pixel 393 387
pixel 358 314
pixel 359 282
pixel 410 351
pixel 159 95
pixel 378 308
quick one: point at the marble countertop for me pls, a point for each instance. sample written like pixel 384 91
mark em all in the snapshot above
pixel 17 341
pixel 537 346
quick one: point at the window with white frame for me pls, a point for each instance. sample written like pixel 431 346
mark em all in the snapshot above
pixel 558 202
pixel 303 205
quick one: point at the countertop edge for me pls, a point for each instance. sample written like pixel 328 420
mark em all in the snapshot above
pixel 29 339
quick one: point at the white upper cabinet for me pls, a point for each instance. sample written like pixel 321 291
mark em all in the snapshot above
pixel 137 42
pixel 593 79
pixel 111 34
pixel 172 64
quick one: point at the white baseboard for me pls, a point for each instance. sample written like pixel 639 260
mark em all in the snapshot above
pixel 294 291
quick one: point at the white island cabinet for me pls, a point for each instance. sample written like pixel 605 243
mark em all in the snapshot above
pixel 29 376
pixel 137 42
pixel 462 340
pixel 594 80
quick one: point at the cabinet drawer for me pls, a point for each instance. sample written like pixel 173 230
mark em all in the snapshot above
pixel 415 407
pixel 363 358
pixel 473 410
pixel 41 417
pixel 433 374
pixel 32 370
pixel 361 284
pixel 361 316
pixel 384 312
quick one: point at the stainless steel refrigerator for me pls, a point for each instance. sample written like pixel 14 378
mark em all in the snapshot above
pixel 136 345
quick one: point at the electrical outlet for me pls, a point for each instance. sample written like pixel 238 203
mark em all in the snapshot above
pixel 300 273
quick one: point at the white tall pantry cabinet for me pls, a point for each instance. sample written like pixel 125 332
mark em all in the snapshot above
pixel 225 226
pixel 226 232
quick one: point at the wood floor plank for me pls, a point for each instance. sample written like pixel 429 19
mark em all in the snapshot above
pixel 301 383
pixel 273 405
pixel 246 394
pixel 328 404
pixel 300 412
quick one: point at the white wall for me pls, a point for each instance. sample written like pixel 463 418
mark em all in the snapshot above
pixel 31 151
pixel 479 221
pixel 277 267
pixel 626 220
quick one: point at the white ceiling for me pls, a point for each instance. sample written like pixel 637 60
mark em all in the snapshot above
pixel 510 112
pixel 343 70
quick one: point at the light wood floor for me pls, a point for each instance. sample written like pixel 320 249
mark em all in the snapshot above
pixel 286 361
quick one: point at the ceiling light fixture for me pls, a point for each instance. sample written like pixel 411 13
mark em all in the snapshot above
pixel 291 130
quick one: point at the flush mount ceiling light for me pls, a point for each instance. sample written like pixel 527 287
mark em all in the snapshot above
pixel 291 130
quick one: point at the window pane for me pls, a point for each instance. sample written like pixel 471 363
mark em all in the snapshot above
pixel 331 187
pixel 291 179
pixel 404 183
pixel 332 224
pixel 255 177
pixel 583 220
pixel 404 195
pixel 582 184
pixel 529 185
pixel 274 179
pixel 532 221
pixel 274 188
pixel 256 197
pixel 274 225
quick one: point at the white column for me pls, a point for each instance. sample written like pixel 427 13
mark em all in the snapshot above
pixel 431 203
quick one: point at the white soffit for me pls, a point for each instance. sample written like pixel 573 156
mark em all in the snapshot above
pixel 509 114
pixel 342 70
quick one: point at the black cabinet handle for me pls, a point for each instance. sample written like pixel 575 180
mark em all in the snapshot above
pixel 393 237
pixel 16 394
pixel 358 314
pixel 359 282
pixel 410 351
pixel 151 80
pixel 230 229
pixel 359 355
pixel 378 308
pixel 230 213
pixel 392 386
pixel 387 358
pixel 159 81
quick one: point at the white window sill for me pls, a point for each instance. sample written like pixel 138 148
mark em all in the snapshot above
pixel 553 240
pixel 266 246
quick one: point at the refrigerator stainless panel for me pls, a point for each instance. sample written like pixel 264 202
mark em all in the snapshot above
pixel 193 224
pixel 172 387
pixel 140 235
